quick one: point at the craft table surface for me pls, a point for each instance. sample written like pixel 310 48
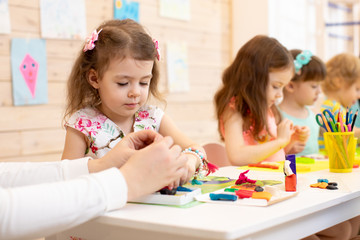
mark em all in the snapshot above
pixel 308 212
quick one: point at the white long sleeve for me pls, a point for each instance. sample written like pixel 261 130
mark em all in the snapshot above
pixel 33 211
pixel 29 173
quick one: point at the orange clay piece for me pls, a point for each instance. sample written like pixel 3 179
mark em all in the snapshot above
pixel 262 195
pixel 315 185
pixel 262 165
pixel 322 185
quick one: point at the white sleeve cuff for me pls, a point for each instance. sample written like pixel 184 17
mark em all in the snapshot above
pixel 114 186
pixel 75 168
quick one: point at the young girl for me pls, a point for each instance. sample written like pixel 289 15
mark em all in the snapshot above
pixel 342 84
pixel 302 91
pixel 108 90
pixel 248 119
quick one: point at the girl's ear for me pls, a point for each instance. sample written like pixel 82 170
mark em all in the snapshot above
pixel 290 87
pixel 337 82
pixel 93 79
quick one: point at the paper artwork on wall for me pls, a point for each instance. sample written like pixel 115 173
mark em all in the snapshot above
pixel 4 17
pixel 29 75
pixel 64 19
pixel 126 9
pixel 177 67
pixel 177 9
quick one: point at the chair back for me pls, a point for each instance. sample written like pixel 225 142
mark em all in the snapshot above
pixel 216 153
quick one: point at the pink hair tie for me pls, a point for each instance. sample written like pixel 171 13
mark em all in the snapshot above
pixel 156 43
pixel 90 41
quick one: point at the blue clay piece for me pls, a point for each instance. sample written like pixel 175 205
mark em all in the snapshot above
pixel 184 189
pixel 323 180
pixel 223 197
pixel 196 182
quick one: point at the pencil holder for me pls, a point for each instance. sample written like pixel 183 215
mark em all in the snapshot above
pixel 340 147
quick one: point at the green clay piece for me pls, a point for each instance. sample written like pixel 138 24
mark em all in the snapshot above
pixel 271 182
pixel 305 160
pixel 230 189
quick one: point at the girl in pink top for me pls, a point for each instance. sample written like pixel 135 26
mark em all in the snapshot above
pixel 249 121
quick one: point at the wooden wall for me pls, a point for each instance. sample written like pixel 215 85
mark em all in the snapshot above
pixel 35 133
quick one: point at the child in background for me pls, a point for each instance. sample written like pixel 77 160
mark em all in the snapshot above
pixel 302 91
pixel 249 121
pixel 108 90
pixel 342 83
pixel 341 88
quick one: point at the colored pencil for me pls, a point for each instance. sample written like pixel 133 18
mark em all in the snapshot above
pixel 354 119
pixel 347 116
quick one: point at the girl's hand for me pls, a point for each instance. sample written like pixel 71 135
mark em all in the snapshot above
pixel 296 147
pixel 284 131
pixel 298 139
pixel 301 133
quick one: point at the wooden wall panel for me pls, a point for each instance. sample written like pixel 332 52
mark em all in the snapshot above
pixel 35 133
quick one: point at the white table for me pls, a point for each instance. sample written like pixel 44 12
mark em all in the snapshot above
pixel 308 212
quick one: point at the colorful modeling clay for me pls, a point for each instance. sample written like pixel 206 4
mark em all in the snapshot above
pixel 305 160
pixel 244 193
pixel 167 191
pixel 323 180
pixel 259 189
pixel 223 197
pixel 244 179
pixel 264 165
pixel 230 189
pixel 290 173
pixel 262 195
pixel 325 184
pixel 184 189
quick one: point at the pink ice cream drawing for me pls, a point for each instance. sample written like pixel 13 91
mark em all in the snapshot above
pixel 29 69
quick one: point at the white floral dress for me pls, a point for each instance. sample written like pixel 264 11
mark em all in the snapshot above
pixel 104 134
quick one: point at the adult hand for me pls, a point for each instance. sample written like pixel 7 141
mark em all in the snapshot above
pixel 191 163
pixel 154 167
pixel 124 150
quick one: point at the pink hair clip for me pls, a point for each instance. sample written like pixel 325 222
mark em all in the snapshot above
pixel 156 43
pixel 90 41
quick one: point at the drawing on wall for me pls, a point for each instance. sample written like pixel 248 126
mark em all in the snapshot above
pixel 126 9
pixel 4 17
pixel 28 68
pixel 63 19
pixel 177 67
pixel 177 9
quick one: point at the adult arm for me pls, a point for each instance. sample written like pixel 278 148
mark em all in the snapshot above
pixel 29 173
pixel 44 209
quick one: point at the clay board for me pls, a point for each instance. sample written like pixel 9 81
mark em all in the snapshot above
pixel 180 198
pixel 277 196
